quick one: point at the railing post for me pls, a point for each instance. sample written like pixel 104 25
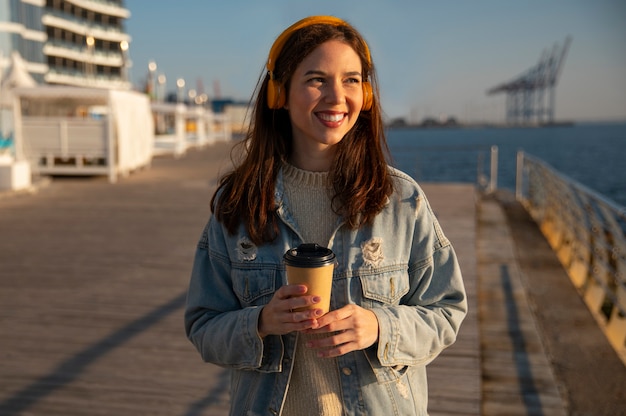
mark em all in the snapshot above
pixel 519 176
pixel 18 138
pixel 112 139
pixel 200 126
pixel 180 129
pixel 493 180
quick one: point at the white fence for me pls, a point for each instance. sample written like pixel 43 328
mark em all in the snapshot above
pixel 178 127
pixel 88 131
pixel 82 131
pixel 58 145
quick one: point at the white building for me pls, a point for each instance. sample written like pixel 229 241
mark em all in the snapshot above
pixel 67 42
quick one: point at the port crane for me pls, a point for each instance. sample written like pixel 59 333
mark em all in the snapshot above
pixel 530 97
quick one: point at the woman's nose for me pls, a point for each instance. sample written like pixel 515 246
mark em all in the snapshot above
pixel 335 92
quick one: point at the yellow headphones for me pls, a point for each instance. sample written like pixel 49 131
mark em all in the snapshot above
pixel 276 93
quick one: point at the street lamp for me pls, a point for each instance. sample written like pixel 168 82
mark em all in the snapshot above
pixel 161 87
pixel 124 49
pixel 192 96
pixel 152 67
pixel 90 47
pixel 202 99
pixel 180 91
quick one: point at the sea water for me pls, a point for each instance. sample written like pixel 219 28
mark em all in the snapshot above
pixel 591 154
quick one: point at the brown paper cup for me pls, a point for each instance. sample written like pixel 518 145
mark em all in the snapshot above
pixel 311 265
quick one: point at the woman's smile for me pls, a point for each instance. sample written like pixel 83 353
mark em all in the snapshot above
pixel 331 119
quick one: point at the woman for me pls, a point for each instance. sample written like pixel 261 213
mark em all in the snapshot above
pixel 314 171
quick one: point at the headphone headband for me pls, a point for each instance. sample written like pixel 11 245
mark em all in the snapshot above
pixel 276 96
pixel 307 21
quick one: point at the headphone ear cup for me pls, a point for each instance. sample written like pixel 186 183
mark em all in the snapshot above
pixel 368 96
pixel 275 95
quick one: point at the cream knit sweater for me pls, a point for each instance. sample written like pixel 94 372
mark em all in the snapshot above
pixel 314 388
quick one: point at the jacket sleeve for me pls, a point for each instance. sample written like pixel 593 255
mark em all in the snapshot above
pixel 429 315
pixel 221 330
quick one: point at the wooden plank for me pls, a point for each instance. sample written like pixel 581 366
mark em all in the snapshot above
pixel 517 376
pixel 454 378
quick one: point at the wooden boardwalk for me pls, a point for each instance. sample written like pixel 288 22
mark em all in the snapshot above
pixel 92 288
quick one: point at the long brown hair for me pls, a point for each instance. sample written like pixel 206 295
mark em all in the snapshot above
pixel 359 173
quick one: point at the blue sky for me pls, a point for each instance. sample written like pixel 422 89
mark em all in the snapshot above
pixel 433 58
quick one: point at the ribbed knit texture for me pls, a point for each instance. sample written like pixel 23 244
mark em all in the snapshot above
pixel 314 388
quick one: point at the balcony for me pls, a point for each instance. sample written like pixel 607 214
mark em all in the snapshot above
pixel 102 6
pixel 80 79
pixel 81 26
pixel 82 54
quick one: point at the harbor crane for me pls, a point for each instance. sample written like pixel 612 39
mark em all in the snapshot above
pixel 526 98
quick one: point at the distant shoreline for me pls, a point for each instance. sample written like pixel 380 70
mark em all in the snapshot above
pixel 432 126
pixel 503 125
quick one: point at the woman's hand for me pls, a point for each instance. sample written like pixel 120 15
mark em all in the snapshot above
pixel 278 316
pixel 352 328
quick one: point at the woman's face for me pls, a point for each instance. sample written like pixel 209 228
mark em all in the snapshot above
pixel 324 102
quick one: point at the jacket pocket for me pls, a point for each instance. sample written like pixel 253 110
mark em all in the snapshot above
pixel 385 287
pixel 254 287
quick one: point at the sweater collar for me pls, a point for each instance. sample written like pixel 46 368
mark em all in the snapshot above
pixel 304 178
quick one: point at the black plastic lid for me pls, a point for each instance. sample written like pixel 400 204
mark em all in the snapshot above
pixel 309 255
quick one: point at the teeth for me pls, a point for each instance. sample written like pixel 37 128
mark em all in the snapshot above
pixel 331 117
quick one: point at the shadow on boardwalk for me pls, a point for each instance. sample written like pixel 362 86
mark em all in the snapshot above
pixel 70 370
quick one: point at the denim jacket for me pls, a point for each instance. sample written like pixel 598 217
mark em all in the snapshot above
pixel 401 267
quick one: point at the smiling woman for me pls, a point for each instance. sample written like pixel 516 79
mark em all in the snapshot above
pixel 314 171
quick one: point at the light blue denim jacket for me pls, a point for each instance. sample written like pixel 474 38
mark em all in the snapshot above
pixel 402 268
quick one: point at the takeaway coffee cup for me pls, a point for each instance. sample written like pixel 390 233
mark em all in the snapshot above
pixel 311 265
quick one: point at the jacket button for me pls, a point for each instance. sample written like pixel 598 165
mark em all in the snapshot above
pixel 346 371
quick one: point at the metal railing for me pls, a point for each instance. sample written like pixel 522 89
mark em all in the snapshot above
pixel 588 233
